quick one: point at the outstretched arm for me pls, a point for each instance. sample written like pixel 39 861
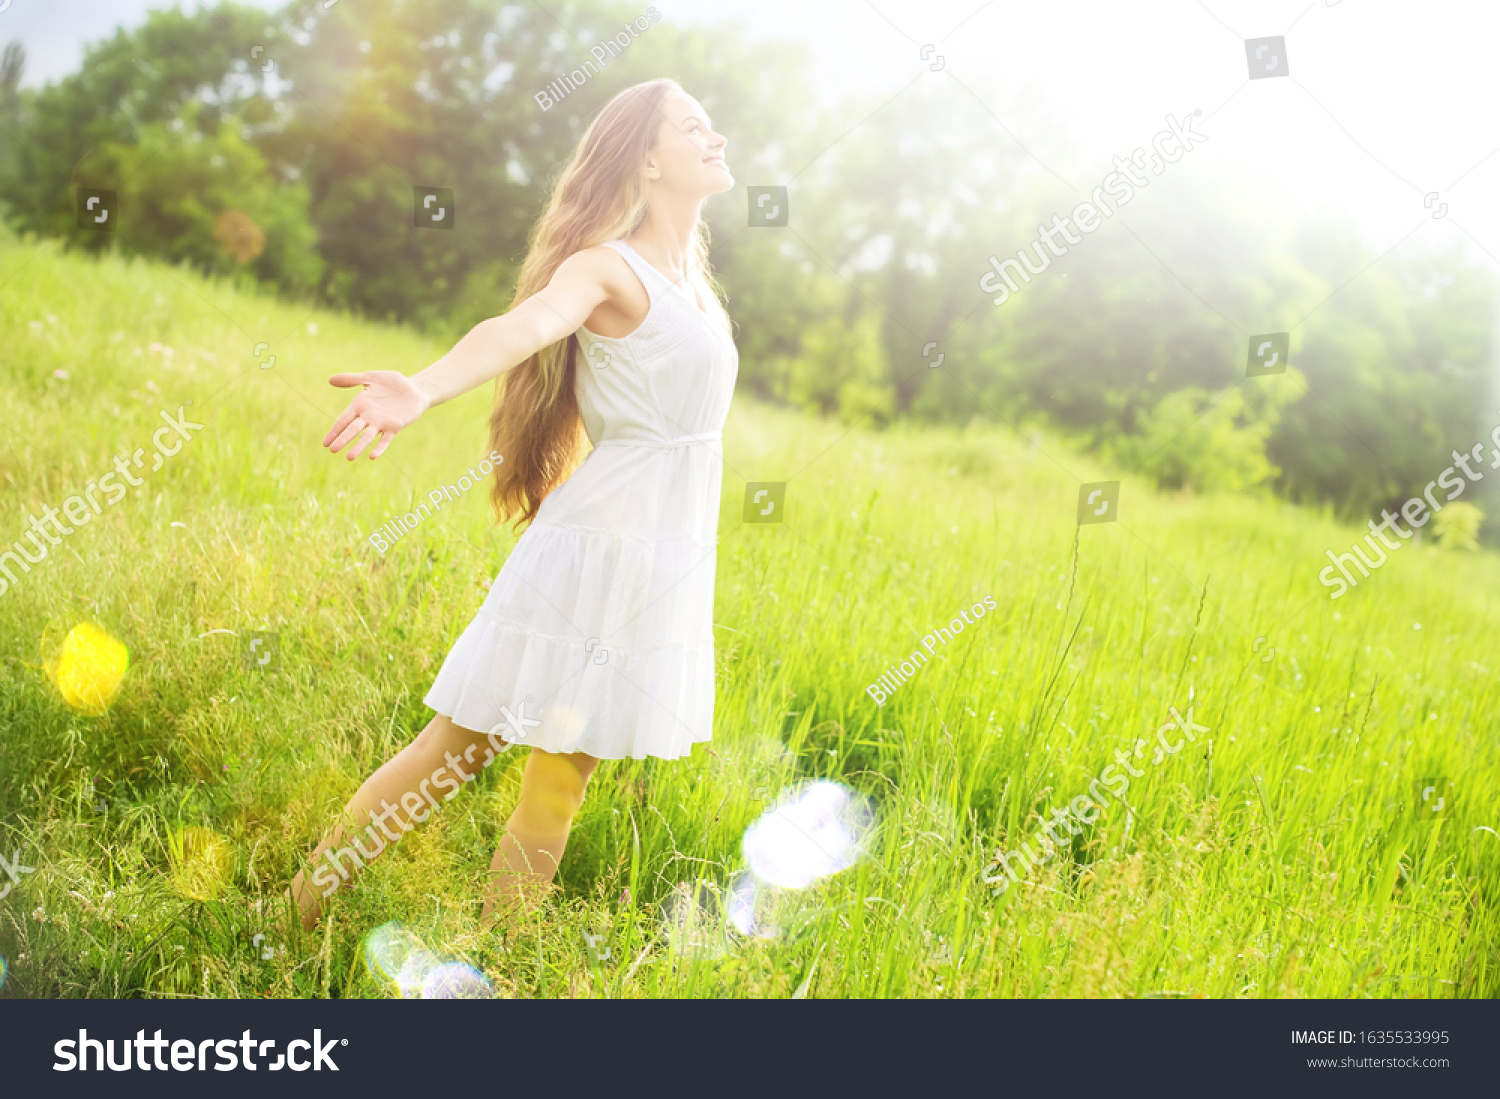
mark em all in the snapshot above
pixel 390 400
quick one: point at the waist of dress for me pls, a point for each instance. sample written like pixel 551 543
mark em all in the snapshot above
pixel 663 444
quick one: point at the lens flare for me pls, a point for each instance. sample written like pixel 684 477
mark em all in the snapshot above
pixel 393 955
pixel 818 829
pixel 456 981
pixel 3 972
pixel 420 965
pixel 87 668
pixel 386 950
pixel 202 863
pixel 752 906
pixel 692 919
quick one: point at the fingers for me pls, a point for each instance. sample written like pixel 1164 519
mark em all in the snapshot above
pixel 385 441
pixel 345 419
pixel 367 436
pixel 355 425
pixel 346 381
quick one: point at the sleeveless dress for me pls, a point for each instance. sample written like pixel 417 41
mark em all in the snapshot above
pixel 600 623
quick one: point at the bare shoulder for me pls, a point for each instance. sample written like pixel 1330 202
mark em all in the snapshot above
pixel 604 267
pixel 622 301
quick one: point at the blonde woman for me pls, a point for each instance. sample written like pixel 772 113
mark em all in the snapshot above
pixel 595 641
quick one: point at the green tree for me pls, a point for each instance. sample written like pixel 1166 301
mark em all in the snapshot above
pixel 208 198
pixel 1397 370
pixel 1192 439
pixel 131 81
pixel 391 95
pixel 840 368
pixel 12 66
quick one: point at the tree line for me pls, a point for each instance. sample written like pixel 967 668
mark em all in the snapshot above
pixel 281 150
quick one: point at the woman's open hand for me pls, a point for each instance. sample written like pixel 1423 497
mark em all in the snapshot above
pixel 390 401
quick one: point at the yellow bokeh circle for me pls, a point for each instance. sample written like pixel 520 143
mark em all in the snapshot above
pixel 87 669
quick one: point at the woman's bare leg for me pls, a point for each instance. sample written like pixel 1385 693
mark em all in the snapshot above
pixel 525 863
pixel 441 745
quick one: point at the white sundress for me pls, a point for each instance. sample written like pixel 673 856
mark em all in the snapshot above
pixel 600 623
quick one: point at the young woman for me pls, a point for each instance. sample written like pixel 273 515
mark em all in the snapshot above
pixel 595 641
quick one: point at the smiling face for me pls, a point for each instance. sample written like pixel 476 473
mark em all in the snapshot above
pixel 689 155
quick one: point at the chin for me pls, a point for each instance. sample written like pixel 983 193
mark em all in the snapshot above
pixel 720 180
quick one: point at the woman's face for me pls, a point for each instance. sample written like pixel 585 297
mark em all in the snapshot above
pixel 689 155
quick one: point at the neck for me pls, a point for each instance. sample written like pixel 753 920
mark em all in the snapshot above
pixel 666 235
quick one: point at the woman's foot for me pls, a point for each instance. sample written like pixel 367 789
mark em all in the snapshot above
pixel 306 897
pixel 309 913
pixel 515 889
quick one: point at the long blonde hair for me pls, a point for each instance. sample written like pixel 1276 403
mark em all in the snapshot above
pixel 535 424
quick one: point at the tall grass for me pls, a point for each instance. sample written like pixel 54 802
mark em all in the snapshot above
pixel 1280 855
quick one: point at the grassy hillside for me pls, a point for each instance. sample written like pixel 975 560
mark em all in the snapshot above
pixel 1279 854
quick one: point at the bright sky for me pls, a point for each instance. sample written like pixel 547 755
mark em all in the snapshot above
pixel 1386 101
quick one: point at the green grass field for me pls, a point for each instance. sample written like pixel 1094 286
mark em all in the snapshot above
pixel 1279 855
